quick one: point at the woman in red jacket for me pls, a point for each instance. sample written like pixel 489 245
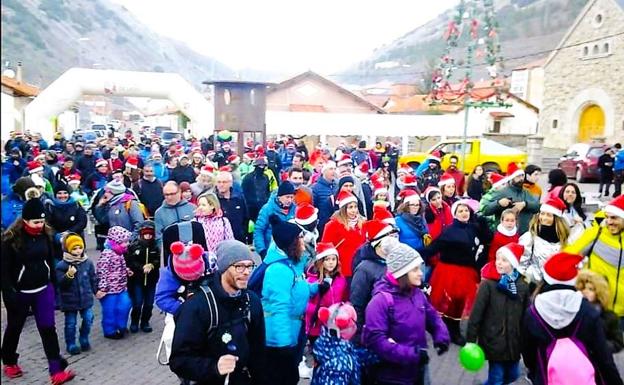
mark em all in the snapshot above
pixel 344 230
pixel 438 217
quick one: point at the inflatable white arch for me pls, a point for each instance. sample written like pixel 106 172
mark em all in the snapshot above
pixel 74 83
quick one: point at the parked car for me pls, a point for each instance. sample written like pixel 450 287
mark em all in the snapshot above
pixel 581 161
pixel 87 136
pixel 168 136
pixel 488 153
pixel 158 130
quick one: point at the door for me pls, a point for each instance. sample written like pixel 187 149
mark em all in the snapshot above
pixel 591 123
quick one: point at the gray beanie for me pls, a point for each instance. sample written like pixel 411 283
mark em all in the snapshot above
pixel 231 251
pixel 401 259
pixel 116 187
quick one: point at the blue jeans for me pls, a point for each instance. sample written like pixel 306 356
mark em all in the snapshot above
pixel 142 301
pixel 115 311
pixel 71 319
pixel 502 372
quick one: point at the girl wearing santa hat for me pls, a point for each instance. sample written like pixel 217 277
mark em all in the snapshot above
pixel 344 230
pixel 447 187
pixel 438 217
pixel 547 234
pixel 413 229
pixel 454 280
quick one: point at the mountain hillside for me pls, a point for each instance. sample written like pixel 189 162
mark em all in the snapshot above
pixel 51 36
pixel 528 29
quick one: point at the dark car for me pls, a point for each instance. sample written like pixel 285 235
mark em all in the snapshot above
pixel 581 161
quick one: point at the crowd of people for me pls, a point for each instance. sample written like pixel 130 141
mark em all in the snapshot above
pixel 345 253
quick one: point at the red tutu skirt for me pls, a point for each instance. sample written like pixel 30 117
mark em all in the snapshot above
pixel 453 289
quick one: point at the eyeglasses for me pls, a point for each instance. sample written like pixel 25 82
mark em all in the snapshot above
pixel 240 268
pixel 171 194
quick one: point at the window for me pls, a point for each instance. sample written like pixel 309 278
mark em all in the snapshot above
pixel 598 20
pixel 227 97
pixel 595 50
pixel 585 51
pixel 555 123
pixel 605 48
pixel 497 125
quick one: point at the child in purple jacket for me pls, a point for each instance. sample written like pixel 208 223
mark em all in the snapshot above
pixel 397 318
pixel 112 275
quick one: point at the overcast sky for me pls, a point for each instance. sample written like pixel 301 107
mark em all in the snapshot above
pixel 285 35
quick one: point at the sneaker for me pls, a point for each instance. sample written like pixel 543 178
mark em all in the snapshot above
pixel 73 350
pixel 146 328
pixel 134 328
pixel 13 371
pixel 62 377
pixel 115 336
pixel 305 371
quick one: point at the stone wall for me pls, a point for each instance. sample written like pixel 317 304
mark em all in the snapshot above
pixel 573 81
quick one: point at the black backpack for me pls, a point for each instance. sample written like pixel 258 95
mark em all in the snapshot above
pixel 256 280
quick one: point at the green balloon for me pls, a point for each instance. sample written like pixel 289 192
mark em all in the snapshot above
pixel 471 357
pixel 251 227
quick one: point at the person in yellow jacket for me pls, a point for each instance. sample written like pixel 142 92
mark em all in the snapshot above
pixel 603 244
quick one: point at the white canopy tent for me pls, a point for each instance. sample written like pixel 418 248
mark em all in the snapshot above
pixel 74 83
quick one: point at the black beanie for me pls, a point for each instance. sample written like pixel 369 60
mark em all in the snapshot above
pixel 33 209
pixel 284 233
pixel 285 188
pixel 21 185
pixel 362 144
pixel 530 169
pixel 60 186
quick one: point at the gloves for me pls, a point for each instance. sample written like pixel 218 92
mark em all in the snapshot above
pixel 323 287
pixel 441 348
pixel 423 357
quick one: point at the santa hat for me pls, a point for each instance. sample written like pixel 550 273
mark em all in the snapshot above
pixel 101 162
pixel 362 169
pixel 513 171
pixel 234 159
pixel 446 179
pixel 249 156
pixel 324 249
pixel 328 165
pixel 34 167
pixel 498 180
pixel 404 169
pixel 132 162
pixel 41 155
pixel 305 214
pixel 555 206
pixel 616 207
pixel 382 214
pixel 410 180
pixel 461 202
pixel 429 191
pixel 375 231
pixel 346 159
pixel 207 169
pixel 225 168
pixel 382 204
pixel 562 268
pixel 408 196
pixel 73 179
pixel 512 252
pixel 260 150
pixel 378 186
pixel 345 197
pixel 435 155
pixel 269 145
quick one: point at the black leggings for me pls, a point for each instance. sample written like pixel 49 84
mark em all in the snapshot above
pixel 283 365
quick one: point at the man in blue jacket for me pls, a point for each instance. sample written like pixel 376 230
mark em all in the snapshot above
pixel 323 192
pixel 282 206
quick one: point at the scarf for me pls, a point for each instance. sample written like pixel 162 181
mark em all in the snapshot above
pixel 509 233
pixel 353 222
pixel 32 231
pixel 120 198
pixel 115 247
pixel 507 284
pixel 74 259
pixel 548 233
pixel 415 222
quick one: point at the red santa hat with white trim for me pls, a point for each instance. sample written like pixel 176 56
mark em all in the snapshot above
pixel 616 207
pixel 410 180
pixel 345 197
pixel 101 162
pixel 430 190
pixel 404 169
pixel 249 156
pixel 512 253
pixel 325 249
pixel 208 169
pixel 382 214
pixel 498 180
pixel 446 179
pixel 34 166
pixel 305 214
pixel 376 230
pixel 408 196
pixel 344 160
pixel 562 268
pixel 513 171
pixel 361 170
pixel 435 155
pixel 554 205
pixel 378 186
pixel 132 162
pixel 234 159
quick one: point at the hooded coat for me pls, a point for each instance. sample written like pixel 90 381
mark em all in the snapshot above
pixel 397 338
pixel 76 294
pixel 346 240
pixel 323 196
pixel 559 310
pixel 263 229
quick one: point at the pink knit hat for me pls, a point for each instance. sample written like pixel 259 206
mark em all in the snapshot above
pixel 188 263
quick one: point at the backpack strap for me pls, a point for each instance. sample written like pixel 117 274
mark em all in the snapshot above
pixel 212 308
pixel 591 248
pixel 390 302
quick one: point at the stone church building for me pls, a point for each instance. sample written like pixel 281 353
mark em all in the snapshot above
pixel 584 79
